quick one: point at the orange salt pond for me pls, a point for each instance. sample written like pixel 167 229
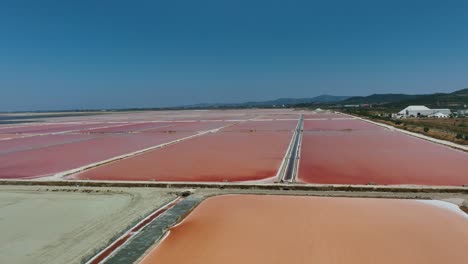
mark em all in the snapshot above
pixel 286 229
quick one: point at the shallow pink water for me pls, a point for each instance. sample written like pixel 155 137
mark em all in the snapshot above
pixel 344 124
pixel 381 157
pixel 34 142
pixel 54 159
pixel 50 128
pixel 130 127
pixel 233 156
pixel 192 126
pixel 277 125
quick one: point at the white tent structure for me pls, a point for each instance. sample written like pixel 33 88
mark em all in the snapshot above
pixel 439 115
pixel 421 110
pixel 415 110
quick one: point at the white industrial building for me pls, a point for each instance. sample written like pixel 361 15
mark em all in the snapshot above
pixel 421 110
pixel 439 115
pixel 462 112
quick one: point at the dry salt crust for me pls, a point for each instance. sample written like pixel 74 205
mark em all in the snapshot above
pixel 452 208
pixel 45 226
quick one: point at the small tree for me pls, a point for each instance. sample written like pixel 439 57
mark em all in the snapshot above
pixel 426 129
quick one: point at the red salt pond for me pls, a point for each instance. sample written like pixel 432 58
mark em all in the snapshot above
pixel 29 127
pixel 34 142
pixel 267 125
pixel 219 156
pixel 325 115
pixel 50 128
pixel 343 124
pixel 50 160
pixel 130 127
pixel 281 116
pixel 9 136
pixel 381 157
pixel 264 229
pixel 192 126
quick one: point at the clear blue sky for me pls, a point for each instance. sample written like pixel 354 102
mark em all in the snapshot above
pixel 106 54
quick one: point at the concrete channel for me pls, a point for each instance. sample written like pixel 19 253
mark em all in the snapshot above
pixel 293 156
pixel 136 248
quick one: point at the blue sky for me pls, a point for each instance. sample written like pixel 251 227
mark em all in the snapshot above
pixel 114 54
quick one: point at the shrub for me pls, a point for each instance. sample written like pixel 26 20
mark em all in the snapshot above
pixel 466 137
pixel 459 136
pixel 398 122
pixel 426 129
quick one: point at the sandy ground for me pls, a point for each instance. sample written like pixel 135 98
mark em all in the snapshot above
pixel 65 225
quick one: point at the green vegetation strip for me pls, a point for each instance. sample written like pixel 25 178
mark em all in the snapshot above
pixel 248 186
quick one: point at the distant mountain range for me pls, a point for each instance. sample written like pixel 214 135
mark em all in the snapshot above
pixel 449 100
pixel 379 99
pixel 455 100
pixel 323 99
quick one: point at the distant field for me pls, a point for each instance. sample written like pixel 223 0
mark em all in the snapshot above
pixel 459 125
pixel 449 129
